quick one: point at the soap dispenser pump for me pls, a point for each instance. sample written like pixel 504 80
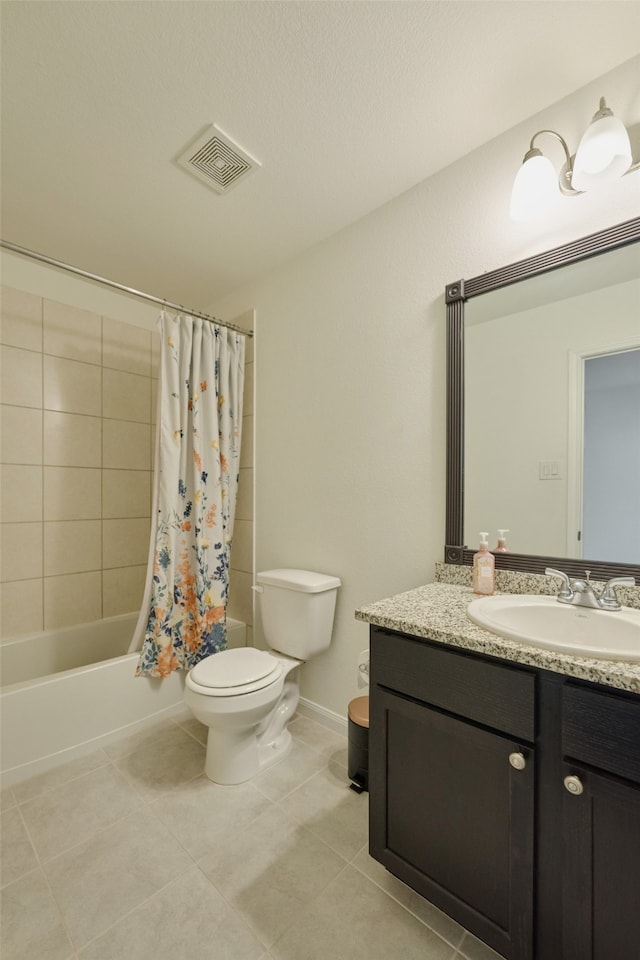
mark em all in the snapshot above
pixel 484 572
pixel 502 542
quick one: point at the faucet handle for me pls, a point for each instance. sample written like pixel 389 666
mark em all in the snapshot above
pixel 609 600
pixel 566 590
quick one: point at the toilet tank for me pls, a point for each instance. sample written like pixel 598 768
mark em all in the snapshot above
pixel 297 608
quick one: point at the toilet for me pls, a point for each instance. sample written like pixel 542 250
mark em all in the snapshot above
pixel 247 696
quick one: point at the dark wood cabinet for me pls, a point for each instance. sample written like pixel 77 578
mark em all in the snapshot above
pixel 508 797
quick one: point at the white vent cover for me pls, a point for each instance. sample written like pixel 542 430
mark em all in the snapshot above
pixel 216 160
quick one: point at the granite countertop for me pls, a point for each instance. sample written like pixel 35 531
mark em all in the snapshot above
pixel 437 612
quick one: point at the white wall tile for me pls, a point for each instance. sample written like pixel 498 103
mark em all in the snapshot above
pixel 72 546
pixel 126 446
pixel 21 607
pixel 20 319
pixel 125 542
pixel 154 401
pixel 21 551
pixel 125 347
pixel 72 493
pixel 126 396
pixel 122 590
pixel 244 505
pixel 155 353
pixel 21 435
pixel 242 546
pixel 21 496
pixel 71 386
pixel 71 440
pixel 246 449
pixel 126 493
pixel 247 393
pixel 21 377
pixel 71 332
pixel 241 597
pixel 76 598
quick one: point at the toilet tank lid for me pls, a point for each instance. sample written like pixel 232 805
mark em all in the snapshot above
pixel 306 581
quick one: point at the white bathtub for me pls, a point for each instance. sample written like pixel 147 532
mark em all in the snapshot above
pixel 66 692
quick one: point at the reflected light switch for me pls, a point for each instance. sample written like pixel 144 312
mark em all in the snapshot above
pixel 549 470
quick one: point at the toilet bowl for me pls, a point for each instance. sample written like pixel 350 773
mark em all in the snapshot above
pixel 246 732
pixel 247 696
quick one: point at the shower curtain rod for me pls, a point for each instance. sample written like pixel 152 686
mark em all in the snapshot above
pixel 119 286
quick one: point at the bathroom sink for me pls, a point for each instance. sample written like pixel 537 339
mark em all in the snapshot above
pixel 545 622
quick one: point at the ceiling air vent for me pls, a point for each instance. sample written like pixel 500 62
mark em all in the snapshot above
pixel 216 160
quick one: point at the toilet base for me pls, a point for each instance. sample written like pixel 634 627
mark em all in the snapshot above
pixel 245 759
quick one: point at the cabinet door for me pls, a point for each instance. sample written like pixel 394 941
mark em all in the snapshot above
pixel 453 818
pixel 601 872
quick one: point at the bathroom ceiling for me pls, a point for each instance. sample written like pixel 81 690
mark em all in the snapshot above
pixel 344 104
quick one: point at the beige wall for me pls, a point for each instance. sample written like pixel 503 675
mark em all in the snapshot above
pixel 76 452
pixel 350 370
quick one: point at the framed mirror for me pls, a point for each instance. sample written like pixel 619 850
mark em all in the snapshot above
pixel 527 345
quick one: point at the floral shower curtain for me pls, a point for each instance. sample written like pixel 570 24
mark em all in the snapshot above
pixel 197 465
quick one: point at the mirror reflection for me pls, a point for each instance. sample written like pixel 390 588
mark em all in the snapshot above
pixel 552 411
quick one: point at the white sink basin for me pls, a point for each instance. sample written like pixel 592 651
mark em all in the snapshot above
pixel 544 622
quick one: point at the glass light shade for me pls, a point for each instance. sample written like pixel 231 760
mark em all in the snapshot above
pixel 604 154
pixel 535 188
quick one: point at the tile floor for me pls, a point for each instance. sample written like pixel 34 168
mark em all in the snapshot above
pixel 132 854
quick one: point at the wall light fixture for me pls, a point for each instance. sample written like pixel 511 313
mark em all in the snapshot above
pixel 603 155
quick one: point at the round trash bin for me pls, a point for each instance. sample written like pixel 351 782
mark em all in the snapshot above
pixel 358 768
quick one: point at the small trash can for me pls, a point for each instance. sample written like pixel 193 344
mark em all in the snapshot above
pixel 358 768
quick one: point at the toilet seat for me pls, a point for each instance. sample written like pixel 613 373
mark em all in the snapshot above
pixel 232 673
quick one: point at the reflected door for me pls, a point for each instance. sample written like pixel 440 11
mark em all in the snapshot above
pixel 611 477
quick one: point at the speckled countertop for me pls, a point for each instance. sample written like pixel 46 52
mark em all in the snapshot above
pixel 437 612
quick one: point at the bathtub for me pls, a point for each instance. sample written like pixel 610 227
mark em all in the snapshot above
pixel 69 691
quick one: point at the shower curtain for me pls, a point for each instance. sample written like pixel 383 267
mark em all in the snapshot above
pixel 183 616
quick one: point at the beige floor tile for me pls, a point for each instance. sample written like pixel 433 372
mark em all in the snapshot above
pixel 474 949
pixel 300 764
pixel 271 871
pixel 141 740
pixel 32 925
pixel 202 814
pixel 99 881
pixel 443 925
pixel 75 811
pixel 17 855
pixel 45 782
pixel 188 920
pixel 330 744
pixel 352 919
pixel 172 759
pixel 327 807
pixel 196 729
pixel 7 798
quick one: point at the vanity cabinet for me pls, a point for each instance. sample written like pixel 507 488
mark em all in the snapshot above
pixel 601 825
pixel 507 796
pixel 451 783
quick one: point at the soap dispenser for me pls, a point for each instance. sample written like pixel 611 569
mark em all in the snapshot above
pixel 502 542
pixel 484 572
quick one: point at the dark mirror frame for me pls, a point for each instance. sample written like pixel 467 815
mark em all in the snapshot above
pixel 456 295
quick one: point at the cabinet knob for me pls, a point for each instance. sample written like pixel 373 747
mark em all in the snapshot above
pixel 574 785
pixel 517 761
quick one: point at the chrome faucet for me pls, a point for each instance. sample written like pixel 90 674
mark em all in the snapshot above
pixel 580 592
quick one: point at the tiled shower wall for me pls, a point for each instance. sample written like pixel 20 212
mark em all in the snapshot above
pixel 78 400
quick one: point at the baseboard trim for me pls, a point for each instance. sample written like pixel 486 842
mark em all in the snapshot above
pixel 327 718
